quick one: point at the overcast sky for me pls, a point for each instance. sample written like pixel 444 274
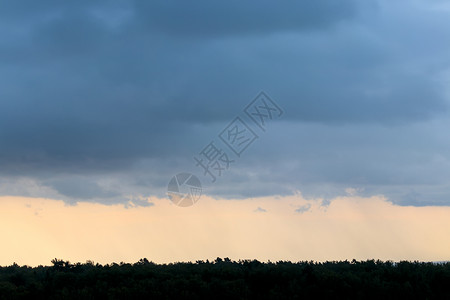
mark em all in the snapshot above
pixel 104 101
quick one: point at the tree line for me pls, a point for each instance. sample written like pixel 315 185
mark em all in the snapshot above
pixel 227 279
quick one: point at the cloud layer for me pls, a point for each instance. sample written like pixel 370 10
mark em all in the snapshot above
pixel 105 101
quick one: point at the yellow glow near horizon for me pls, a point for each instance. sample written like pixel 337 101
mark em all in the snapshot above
pixel 34 231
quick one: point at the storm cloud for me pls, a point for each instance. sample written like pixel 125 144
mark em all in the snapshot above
pixel 106 100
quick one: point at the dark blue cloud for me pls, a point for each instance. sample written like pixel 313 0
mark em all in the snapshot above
pixel 131 90
pixel 214 19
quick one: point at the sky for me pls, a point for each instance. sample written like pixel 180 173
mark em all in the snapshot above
pixel 102 103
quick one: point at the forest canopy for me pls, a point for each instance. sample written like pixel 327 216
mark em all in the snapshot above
pixel 227 279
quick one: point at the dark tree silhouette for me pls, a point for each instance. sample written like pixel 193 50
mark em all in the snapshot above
pixel 227 279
